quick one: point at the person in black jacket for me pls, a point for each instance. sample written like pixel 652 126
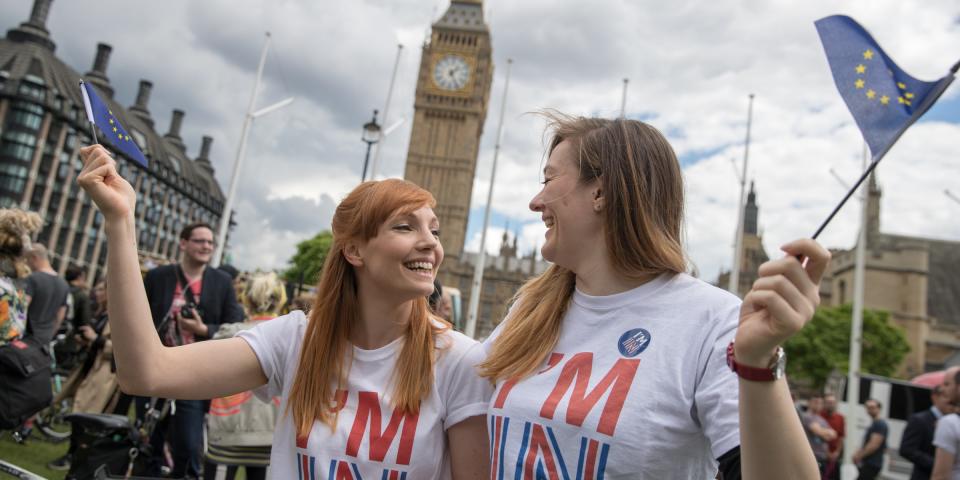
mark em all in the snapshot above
pixel 188 302
pixel 917 442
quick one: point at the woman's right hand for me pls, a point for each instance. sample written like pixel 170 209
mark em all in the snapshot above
pixel 113 195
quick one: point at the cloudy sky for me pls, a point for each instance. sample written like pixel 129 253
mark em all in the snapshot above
pixel 691 66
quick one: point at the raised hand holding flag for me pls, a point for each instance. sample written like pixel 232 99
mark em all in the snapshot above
pixel 100 115
pixel 883 99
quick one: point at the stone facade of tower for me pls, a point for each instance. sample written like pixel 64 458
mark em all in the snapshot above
pixel 452 94
pixel 753 254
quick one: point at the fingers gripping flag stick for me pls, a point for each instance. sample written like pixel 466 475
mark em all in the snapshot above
pixel 100 115
pixel 883 99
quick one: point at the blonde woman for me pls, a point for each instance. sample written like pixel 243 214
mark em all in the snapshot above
pixel 371 385
pixel 613 363
pixel 16 227
pixel 240 426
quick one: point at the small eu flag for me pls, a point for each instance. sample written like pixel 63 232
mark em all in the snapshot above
pixel 100 115
pixel 883 99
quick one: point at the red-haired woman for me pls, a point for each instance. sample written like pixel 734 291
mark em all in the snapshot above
pixel 372 385
pixel 613 362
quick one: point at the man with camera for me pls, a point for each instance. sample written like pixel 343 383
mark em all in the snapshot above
pixel 189 302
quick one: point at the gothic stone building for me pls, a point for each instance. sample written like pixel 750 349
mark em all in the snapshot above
pixel 915 279
pixel 43 126
pixel 753 254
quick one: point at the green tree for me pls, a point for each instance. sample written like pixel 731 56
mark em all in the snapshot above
pixel 824 345
pixel 306 264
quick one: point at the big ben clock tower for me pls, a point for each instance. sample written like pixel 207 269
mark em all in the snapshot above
pixel 449 112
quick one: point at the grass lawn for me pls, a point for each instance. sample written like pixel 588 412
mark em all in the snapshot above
pixel 32 455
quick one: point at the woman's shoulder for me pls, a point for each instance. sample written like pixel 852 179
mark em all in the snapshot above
pixel 695 291
pixel 455 345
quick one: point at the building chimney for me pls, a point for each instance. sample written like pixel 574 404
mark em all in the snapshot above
pixel 98 74
pixel 173 135
pixel 205 148
pixel 102 58
pixel 38 15
pixel 139 108
pixel 203 161
pixel 34 30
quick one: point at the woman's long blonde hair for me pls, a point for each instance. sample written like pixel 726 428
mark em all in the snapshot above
pixel 324 357
pixel 642 188
pixel 264 294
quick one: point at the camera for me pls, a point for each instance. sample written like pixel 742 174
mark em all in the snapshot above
pixel 188 309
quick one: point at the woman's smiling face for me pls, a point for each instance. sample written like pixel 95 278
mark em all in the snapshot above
pixel 567 208
pixel 404 256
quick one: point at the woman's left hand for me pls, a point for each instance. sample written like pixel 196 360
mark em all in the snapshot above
pixel 781 301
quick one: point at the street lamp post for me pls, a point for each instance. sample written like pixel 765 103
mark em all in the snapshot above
pixel 371 135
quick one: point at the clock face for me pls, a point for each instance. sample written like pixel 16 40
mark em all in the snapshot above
pixel 451 72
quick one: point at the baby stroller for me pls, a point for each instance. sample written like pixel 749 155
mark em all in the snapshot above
pixel 110 446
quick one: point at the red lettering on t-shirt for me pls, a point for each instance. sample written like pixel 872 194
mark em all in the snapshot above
pixel 617 380
pixel 508 385
pixel 368 413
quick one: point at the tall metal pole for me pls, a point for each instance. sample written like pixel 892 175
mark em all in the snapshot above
pixel 470 328
pixel 366 160
pixel 734 285
pixel 241 151
pixel 856 327
pixel 623 99
pixel 386 111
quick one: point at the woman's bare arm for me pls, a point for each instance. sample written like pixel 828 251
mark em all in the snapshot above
pixel 144 366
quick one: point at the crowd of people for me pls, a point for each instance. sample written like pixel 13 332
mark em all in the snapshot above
pixel 373 382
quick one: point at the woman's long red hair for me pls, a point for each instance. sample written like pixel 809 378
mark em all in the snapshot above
pixel 325 355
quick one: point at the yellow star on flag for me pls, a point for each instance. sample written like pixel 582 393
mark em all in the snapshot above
pixel 884 99
pixel 119 137
pixel 111 121
pixel 871 94
pixel 901 100
pixel 127 138
pixel 859 83
pixel 114 129
pixel 868 54
pixel 908 95
pixel 901 85
pixel 861 68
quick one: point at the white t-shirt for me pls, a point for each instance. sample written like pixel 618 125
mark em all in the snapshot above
pixel 370 439
pixel 947 437
pixel 637 387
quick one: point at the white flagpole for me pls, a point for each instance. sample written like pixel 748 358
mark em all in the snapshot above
pixel 623 99
pixel 734 285
pixel 856 327
pixel 241 152
pixel 386 111
pixel 470 328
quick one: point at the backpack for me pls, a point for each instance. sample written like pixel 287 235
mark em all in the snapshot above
pixel 25 374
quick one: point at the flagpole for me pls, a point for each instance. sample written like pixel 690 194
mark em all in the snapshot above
pixel 86 102
pixel 856 325
pixel 470 328
pixel 734 285
pixel 386 110
pixel 623 99
pixel 241 152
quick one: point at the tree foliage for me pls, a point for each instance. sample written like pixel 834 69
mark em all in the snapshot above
pixel 824 345
pixel 306 264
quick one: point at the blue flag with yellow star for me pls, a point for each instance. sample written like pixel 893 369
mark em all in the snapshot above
pixel 883 99
pixel 100 115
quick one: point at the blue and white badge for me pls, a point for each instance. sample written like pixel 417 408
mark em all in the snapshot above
pixel 632 342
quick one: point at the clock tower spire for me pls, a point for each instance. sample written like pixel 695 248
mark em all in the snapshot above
pixel 452 93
